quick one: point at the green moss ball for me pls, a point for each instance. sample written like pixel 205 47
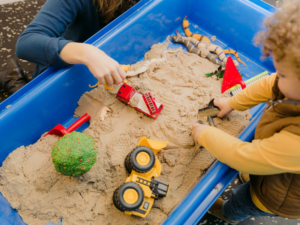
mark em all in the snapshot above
pixel 74 154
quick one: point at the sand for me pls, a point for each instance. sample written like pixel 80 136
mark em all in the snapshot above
pixel 32 186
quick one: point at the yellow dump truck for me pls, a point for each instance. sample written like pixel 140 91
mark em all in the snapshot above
pixel 136 196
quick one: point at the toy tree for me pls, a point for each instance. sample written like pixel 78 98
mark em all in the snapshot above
pixel 74 154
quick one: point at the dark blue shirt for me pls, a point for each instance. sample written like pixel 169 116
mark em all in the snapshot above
pixel 56 24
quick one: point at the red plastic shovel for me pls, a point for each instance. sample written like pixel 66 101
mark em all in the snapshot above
pixel 60 131
pixel 232 76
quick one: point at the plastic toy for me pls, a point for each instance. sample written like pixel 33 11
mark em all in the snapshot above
pixel 213 48
pixel 231 76
pixel 124 67
pixel 59 129
pixel 143 103
pixel 140 70
pixel 236 89
pixel 204 53
pixel 203 50
pixel 136 196
pixel 74 154
pixel 147 63
pixel 103 113
pixel 185 26
pixel 219 73
pixel 211 122
pixel 211 110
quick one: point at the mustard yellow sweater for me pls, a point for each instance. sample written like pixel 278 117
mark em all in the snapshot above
pixel 277 154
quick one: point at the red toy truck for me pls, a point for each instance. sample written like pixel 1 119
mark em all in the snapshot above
pixel 144 103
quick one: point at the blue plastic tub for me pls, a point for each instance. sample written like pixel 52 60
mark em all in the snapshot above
pixel 52 98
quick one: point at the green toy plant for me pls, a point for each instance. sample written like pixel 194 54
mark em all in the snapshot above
pixel 74 154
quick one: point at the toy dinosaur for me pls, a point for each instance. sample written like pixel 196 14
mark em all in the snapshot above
pixel 124 67
pixel 219 73
pixel 74 154
pixel 203 52
pixel 212 48
pixel 140 70
pixel 147 63
pixel 201 41
pixel 185 26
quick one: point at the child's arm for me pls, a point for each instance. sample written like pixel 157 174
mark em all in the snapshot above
pixel 40 42
pixel 258 92
pixel 277 154
pixel 104 68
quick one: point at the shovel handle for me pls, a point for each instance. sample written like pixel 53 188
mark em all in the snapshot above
pixel 78 123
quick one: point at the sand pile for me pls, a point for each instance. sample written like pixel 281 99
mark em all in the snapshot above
pixel 32 186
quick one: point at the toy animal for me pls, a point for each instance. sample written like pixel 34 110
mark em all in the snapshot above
pixel 124 67
pixel 219 73
pixel 213 48
pixel 205 41
pixel 185 26
pixel 147 63
pixel 205 46
pixel 202 52
pixel 140 70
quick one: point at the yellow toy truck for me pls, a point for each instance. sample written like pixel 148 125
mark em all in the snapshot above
pixel 136 196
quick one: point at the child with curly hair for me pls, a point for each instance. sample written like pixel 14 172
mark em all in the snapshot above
pixel 273 157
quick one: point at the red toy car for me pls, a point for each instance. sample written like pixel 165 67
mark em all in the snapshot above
pixel 144 103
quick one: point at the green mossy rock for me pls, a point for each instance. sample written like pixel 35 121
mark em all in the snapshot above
pixel 74 154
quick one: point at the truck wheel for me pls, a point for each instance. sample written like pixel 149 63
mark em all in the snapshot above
pixel 128 197
pixel 127 163
pixel 141 159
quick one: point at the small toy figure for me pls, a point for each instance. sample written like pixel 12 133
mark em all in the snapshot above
pixel 143 103
pixel 136 196
pixel 140 70
pixel 74 154
pixel 147 63
pixel 219 73
pixel 124 67
pixel 203 52
pixel 185 26
pixel 206 45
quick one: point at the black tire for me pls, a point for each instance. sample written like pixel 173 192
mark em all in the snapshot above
pixel 115 200
pixel 119 201
pixel 132 164
pixel 127 163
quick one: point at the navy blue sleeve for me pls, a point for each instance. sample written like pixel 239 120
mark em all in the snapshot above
pixel 41 42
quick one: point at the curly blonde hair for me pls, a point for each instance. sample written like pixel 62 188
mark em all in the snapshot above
pixel 281 38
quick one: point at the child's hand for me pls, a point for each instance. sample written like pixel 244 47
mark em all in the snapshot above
pixel 103 67
pixel 197 129
pixel 224 106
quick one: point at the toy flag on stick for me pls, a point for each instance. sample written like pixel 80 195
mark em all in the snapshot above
pixel 232 76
